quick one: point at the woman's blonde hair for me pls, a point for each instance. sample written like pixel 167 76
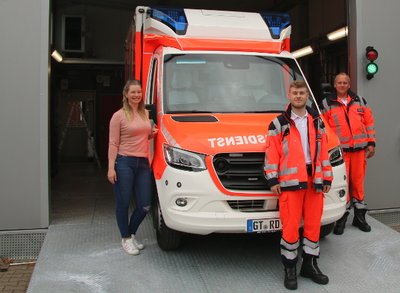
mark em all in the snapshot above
pixel 125 103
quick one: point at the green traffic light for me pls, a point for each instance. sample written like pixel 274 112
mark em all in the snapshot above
pixel 372 68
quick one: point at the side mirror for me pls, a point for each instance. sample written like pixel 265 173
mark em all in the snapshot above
pixel 152 112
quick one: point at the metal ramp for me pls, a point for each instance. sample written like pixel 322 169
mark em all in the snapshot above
pixel 82 253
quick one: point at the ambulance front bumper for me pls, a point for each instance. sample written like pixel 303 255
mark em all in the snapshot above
pixel 190 202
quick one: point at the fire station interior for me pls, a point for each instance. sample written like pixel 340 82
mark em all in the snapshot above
pixel 92 74
pixel 82 251
pixel 85 87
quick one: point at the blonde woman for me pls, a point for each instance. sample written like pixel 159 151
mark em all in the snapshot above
pixel 128 164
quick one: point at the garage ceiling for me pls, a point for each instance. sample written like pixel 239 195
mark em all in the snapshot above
pixel 272 5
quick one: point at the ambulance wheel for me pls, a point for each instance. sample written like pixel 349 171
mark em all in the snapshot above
pixel 167 238
pixel 326 230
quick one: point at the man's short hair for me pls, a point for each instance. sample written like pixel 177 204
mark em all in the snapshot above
pixel 342 74
pixel 298 84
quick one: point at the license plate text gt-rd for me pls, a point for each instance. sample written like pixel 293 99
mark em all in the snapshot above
pixel 263 225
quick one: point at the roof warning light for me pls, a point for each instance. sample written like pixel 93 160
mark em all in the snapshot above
pixel 174 18
pixel 276 22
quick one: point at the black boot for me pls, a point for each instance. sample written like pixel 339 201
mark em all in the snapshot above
pixel 341 224
pixel 291 278
pixel 310 269
pixel 359 220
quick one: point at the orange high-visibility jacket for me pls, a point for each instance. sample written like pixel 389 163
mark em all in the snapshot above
pixel 284 157
pixel 354 124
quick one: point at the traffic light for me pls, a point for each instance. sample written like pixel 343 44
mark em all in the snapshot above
pixel 371 67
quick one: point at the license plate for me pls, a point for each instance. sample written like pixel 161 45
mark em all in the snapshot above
pixel 264 225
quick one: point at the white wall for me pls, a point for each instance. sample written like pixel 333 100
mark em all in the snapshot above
pixel 377 24
pixel 23 114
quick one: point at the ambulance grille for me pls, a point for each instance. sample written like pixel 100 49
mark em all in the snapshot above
pixel 247 205
pixel 241 171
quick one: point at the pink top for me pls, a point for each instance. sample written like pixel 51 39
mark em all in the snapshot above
pixel 128 138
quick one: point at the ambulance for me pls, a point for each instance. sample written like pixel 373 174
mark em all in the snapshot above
pixel 213 81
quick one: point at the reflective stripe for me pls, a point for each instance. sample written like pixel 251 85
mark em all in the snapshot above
pixel 325 106
pixel 289 255
pixel 318 180
pixel 360 145
pixel 361 205
pixel 289 251
pixel 326 163
pixel 271 175
pixel 338 129
pixel 318 168
pixel 288 171
pixel 370 128
pixel 169 137
pixel 328 174
pixel 273 132
pixel 371 135
pixel 285 148
pixel 360 136
pixel 310 247
pixel 288 183
pixel 344 146
pixel 290 246
pixel 270 167
pixel 277 124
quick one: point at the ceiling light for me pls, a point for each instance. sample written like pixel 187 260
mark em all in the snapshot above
pixel 337 34
pixel 57 56
pixel 303 52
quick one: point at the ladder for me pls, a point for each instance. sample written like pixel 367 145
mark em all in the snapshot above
pixel 76 108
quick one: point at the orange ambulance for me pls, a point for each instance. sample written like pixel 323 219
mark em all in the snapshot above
pixel 213 81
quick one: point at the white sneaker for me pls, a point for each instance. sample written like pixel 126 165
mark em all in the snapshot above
pixel 129 247
pixel 136 243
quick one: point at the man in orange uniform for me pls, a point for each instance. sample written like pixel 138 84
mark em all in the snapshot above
pixel 352 120
pixel 297 169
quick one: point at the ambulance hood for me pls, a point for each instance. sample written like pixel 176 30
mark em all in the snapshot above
pixel 217 133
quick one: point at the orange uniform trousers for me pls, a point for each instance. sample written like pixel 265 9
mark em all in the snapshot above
pixel 356 164
pixel 295 205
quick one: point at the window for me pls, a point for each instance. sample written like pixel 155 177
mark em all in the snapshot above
pixel 73 37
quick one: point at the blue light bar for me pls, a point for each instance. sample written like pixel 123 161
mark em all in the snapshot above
pixel 276 22
pixel 174 18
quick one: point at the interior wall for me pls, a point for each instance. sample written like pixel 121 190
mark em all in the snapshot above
pixel 104 28
pixel 326 16
pixel 24 59
pixel 376 26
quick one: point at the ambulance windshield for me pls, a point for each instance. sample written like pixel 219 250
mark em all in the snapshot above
pixel 227 83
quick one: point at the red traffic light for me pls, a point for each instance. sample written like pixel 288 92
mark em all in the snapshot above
pixel 371 54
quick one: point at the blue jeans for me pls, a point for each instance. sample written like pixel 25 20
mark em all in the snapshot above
pixel 133 179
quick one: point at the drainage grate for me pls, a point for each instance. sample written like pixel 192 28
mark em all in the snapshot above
pixel 21 245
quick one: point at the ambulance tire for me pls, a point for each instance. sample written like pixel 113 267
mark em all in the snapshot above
pixel 326 230
pixel 167 238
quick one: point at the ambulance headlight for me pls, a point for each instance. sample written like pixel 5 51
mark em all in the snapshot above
pixel 184 160
pixel 336 156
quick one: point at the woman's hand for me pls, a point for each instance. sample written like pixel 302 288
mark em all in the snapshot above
pixel 112 176
pixel 153 133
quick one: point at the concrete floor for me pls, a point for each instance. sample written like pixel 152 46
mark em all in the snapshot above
pixel 82 252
